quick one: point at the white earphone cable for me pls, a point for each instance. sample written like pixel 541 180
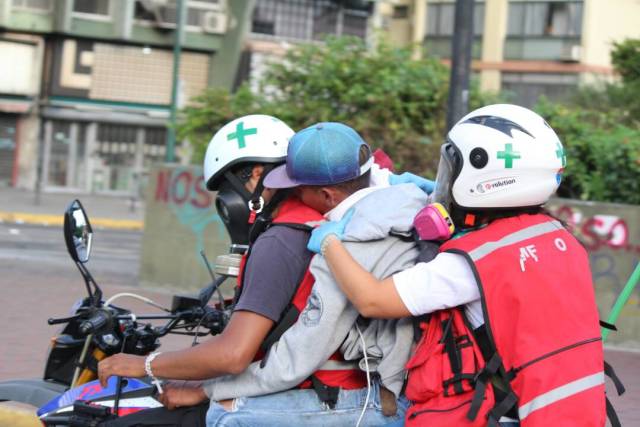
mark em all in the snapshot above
pixel 366 365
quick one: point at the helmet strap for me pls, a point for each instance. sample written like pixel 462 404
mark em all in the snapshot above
pixel 238 186
pixel 264 219
pixel 256 202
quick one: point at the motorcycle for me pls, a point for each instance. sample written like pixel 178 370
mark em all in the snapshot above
pixel 69 392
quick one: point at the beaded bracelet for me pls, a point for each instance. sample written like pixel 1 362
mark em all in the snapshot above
pixel 325 242
pixel 147 368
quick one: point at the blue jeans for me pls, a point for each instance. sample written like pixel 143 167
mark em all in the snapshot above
pixel 303 408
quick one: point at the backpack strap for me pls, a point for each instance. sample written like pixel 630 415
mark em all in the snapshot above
pixel 611 412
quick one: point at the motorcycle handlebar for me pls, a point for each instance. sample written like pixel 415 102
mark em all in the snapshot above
pixel 53 321
pixel 97 321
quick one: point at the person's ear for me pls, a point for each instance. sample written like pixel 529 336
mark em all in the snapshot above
pixel 331 197
pixel 256 172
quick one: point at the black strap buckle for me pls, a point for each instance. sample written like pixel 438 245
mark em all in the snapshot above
pixel 481 379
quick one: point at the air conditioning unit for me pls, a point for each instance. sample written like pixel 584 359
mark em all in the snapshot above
pixel 571 53
pixel 214 22
pixel 217 5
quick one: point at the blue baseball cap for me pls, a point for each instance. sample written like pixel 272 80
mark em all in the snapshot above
pixel 326 153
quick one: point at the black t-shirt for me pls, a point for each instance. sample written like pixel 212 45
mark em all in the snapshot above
pixel 279 259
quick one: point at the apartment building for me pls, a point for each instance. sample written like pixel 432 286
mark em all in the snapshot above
pixel 527 47
pixel 276 25
pixel 86 85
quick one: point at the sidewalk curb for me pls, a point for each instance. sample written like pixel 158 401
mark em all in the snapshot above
pixel 57 220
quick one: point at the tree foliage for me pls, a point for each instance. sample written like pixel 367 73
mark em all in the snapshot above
pixel 395 103
pixel 399 104
pixel 603 155
pixel 600 129
pixel 625 58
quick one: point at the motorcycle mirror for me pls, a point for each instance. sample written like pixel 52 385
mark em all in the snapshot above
pixel 77 232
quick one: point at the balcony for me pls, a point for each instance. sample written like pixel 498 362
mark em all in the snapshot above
pixel 543 48
pixel 440 46
pixel 544 31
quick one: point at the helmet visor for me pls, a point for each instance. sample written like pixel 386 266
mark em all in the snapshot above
pixel 446 170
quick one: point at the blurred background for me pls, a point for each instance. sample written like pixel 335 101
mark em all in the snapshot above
pixel 115 101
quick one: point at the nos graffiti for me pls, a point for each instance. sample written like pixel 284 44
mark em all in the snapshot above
pixel 601 232
pixel 179 187
pixel 185 194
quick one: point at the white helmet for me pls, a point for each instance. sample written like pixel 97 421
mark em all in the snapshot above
pixel 254 138
pixel 498 157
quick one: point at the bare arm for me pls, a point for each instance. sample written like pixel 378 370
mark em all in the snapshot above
pixel 372 297
pixel 228 353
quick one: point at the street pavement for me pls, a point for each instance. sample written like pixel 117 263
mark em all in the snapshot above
pixel 28 207
pixel 39 281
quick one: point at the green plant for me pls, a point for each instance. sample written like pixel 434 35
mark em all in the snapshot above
pixel 603 155
pixel 625 58
pixel 396 103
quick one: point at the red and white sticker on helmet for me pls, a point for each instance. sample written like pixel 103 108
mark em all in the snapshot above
pixel 495 184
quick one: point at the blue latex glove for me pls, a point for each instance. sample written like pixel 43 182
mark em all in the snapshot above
pixel 336 228
pixel 424 184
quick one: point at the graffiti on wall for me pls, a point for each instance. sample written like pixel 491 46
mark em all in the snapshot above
pixel 614 247
pixel 184 192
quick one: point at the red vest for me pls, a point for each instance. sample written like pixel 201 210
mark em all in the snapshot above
pixel 542 347
pixel 336 372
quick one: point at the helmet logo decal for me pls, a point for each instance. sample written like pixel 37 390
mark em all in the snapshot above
pixel 560 154
pixel 498 123
pixel 240 133
pixel 495 184
pixel 508 155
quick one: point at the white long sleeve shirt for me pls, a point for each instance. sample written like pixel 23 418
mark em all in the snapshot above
pixel 445 282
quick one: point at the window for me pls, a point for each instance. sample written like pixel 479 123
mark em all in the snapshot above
pixel 35 5
pixel 555 19
pixel 167 14
pixel 441 18
pixel 527 88
pixel 354 23
pixel 155 140
pixel 92 7
pixel 308 19
pixel 400 12
pixel 7 146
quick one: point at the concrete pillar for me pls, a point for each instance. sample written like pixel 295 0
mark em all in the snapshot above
pixel 72 155
pixel 419 26
pixel 46 152
pixel 123 16
pixel 62 13
pixel 495 30
pixel 28 130
pixel 89 150
pixel 224 63
pixel 5 12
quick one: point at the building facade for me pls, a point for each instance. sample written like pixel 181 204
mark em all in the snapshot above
pixel 276 25
pixel 527 47
pixel 86 102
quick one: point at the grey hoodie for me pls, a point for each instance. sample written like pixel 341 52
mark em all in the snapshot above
pixel 328 322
